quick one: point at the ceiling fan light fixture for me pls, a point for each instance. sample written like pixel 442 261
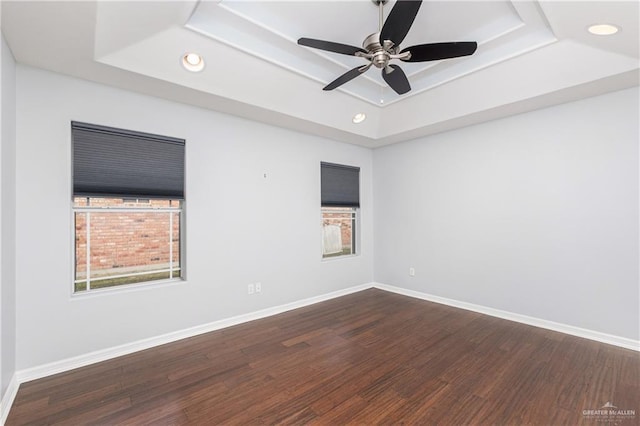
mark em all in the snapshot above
pixel 192 62
pixel 603 29
pixel 359 118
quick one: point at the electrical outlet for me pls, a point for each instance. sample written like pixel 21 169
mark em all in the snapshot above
pixel 412 272
pixel 250 289
pixel 258 287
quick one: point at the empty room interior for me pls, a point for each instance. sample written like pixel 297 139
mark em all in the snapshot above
pixel 311 212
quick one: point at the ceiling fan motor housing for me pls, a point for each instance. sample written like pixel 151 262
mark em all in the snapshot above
pixel 380 57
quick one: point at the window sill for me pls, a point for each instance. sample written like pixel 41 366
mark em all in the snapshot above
pixel 128 288
pixel 343 257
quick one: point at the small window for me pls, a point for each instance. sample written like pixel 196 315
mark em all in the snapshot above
pixel 340 201
pixel 128 200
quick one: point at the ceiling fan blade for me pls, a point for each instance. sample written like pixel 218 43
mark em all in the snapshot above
pixel 399 21
pixel 330 46
pixel 347 76
pixel 396 79
pixel 436 51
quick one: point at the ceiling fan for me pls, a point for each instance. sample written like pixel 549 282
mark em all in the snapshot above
pixel 381 47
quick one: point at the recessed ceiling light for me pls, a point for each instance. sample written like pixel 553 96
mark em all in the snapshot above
pixel 192 62
pixel 603 29
pixel 359 117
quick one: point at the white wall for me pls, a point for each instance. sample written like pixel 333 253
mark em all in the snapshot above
pixel 241 228
pixel 7 217
pixel 535 214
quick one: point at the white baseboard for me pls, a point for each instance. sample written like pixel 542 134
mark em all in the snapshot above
pixel 622 342
pixel 7 398
pixel 105 354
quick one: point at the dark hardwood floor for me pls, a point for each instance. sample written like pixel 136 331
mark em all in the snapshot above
pixel 367 358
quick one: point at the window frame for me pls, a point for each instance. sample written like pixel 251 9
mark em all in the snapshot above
pixel 115 163
pixel 342 192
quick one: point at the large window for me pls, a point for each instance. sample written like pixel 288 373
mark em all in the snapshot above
pixel 340 199
pixel 128 198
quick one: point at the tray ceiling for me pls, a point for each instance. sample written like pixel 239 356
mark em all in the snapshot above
pixel 530 54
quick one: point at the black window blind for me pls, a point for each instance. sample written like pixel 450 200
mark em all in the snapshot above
pixel 123 163
pixel 340 185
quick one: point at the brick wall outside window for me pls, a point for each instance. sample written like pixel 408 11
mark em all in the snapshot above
pixel 126 242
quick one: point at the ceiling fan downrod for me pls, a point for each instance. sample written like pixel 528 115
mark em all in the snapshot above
pixel 381 4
